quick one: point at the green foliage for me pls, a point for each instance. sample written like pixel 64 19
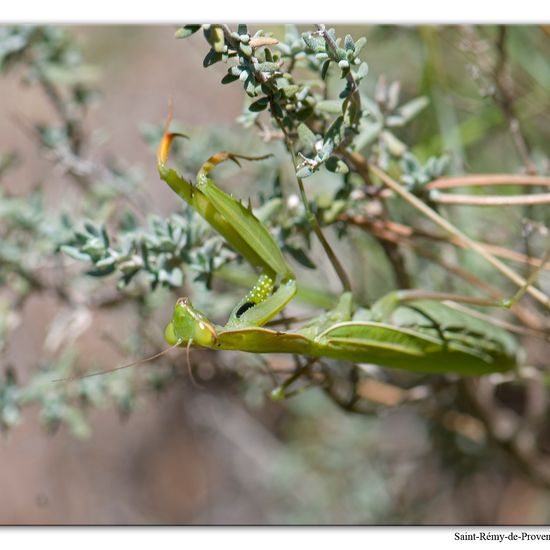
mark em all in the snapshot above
pixel 161 250
pixel 312 101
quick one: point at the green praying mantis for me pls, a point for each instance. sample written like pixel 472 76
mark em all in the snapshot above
pixel 402 330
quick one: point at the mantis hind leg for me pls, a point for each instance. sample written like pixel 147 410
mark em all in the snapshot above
pixel 384 307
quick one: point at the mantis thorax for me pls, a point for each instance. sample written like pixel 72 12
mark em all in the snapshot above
pixel 189 326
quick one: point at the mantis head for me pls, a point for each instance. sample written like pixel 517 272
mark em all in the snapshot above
pixel 189 326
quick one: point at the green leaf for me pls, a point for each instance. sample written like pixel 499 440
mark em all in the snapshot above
pixel 101 272
pixel 334 132
pixel 267 67
pixel 395 146
pixel 324 69
pixel 76 423
pixel 259 105
pixel 91 229
pixel 307 137
pixel 349 43
pixel 332 106
pixel 300 256
pixel 246 49
pixel 313 42
pixel 326 151
pixel 290 90
pixel 104 236
pixel 105 262
pixel 211 58
pixel 412 108
pixel 228 78
pixel 336 165
pixel 217 38
pixel 75 253
pixel 304 172
pixel 186 31
pixel 362 71
pixel 359 45
pixel 94 247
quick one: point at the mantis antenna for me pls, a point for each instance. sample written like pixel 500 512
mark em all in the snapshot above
pixel 189 369
pixel 108 371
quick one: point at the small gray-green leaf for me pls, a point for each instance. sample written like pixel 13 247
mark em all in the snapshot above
pixel 324 69
pixel 300 256
pixel 211 58
pixel 267 67
pixel 332 106
pixel 217 39
pixel 362 71
pixel 313 43
pixel 412 108
pixel 359 45
pixel 304 172
pixel 186 31
pixel 246 49
pixel 91 229
pixel 290 90
pixel 105 262
pixel 395 121
pixel 228 78
pixel 75 253
pixel 336 165
pixel 307 137
pixel 334 132
pixel 259 105
pixel 395 146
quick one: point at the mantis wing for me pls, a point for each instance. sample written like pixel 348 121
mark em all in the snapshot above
pixel 413 349
pixel 374 343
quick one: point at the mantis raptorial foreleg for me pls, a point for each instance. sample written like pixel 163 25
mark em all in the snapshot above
pixel 244 232
pixel 401 330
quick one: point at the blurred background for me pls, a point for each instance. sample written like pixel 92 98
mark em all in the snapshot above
pixel 222 453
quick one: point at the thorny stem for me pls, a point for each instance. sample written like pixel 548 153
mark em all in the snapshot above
pixel 314 222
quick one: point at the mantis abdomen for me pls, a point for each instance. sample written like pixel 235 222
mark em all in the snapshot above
pixel 380 344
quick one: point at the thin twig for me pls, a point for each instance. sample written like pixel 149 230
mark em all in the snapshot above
pixel 487 180
pixel 448 226
pixel 311 218
pixel 494 200
pixel 393 230
pixel 361 164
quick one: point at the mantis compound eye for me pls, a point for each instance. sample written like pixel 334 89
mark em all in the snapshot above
pixel 188 324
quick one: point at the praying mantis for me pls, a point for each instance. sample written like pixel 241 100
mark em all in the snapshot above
pixel 403 330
